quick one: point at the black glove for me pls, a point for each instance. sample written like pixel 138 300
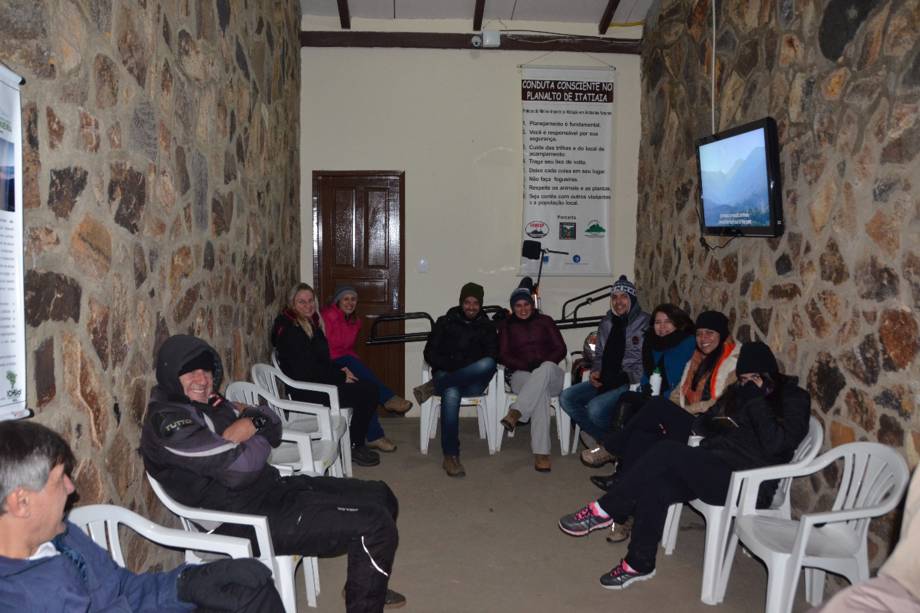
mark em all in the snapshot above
pixel 204 585
pixel 646 390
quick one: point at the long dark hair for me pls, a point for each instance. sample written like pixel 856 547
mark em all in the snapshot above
pixel 653 342
pixel 709 362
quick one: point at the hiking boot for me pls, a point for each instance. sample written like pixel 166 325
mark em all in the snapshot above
pixel 595 458
pixel 382 444
pixel 583 521
pixel 620 532
pixel 620 577
pixel 397 404
pixel 423 392
pixel 510 420
pixel 605 482
pixel 452 466
pixel 541 463
pixel 363 456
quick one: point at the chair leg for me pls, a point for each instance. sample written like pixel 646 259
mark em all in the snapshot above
pixel 726 567
pixel 712 558
pixel 345 452
pixel 285 583
pixel 671 527
pixel 564 429
pixel 814 586
pixel 782 579
pixel 311 579
pixel 424 426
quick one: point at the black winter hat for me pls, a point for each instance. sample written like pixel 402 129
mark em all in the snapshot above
pixel 472 289
pixel 713 320
pixel 523 292
pixel 204 361
pixel 624 286
pixel 756 357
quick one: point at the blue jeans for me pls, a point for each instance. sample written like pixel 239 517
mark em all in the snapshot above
pixel 471 380
pixel 360 370
pixel 593 412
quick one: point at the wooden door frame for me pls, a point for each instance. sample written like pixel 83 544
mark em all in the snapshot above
pixel 318 224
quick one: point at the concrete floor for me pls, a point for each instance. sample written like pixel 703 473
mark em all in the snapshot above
pixel 489 542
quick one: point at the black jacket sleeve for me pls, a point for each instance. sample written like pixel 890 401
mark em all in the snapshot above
pixel 435 354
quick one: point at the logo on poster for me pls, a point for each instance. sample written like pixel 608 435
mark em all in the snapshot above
pixel 536 229
pixel 576 258
pixel 567 230
pixel 595 229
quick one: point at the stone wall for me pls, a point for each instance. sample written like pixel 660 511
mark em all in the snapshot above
pixel 161 196
pixel 836 295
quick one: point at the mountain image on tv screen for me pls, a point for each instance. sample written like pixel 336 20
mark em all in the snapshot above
pixel 733 173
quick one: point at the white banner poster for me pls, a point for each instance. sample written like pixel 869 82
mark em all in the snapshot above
pixel 12 309
pixel 568 138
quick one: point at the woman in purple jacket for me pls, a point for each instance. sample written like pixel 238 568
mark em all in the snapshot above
pixel 530 347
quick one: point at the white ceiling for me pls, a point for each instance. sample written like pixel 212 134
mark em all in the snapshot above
pixel 578 11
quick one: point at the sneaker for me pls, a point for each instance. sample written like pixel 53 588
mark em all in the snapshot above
pixel 620 577
pixel 453 467
pixel 363 456
pixel 393 600
pixel 382 444
pixel 510 420
pixel 423 392
pixel 397 404
pixel 583 521
pixel 620 532
pixel 595 458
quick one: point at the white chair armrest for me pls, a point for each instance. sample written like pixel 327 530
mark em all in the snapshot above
pixel 92 518
pixel 753 478
pixel 323 388
pixel 322 413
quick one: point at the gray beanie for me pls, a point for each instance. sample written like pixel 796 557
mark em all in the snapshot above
pixel 343 290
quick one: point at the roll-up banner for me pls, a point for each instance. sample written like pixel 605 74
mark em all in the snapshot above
pixel 12 308
pixel 568 142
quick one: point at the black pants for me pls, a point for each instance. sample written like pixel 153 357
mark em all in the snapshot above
pixel 668 472
pixel 658 420
pixel 360 396
pixel 264 599
pixel 326 516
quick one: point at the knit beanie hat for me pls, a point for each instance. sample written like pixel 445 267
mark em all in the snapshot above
pixel 343 290
pixel 713 320
pixel 625 286
pixel 523 292
pixel 472 289
pixel 756 357
pixel 203 361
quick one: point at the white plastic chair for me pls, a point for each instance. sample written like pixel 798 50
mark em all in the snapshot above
pixel 196 520
pixel 506 398
pixel 328 421
pixel 300 452
pixel 101 522
pixel 873 478
pixel 719 535
pixel 486 412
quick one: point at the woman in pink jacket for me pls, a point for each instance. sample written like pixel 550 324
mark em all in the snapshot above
pixel 342 329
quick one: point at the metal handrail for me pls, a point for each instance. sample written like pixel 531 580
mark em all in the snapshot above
pixel 591 297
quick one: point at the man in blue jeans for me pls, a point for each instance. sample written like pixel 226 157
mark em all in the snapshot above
pixel 461 350
pixel 617 364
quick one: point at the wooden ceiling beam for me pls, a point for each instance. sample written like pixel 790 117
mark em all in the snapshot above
pixel 477 15
pixel 433 40
pixel 344 15
pixel 607 17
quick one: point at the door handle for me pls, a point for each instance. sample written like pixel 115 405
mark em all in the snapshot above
pixel 395 304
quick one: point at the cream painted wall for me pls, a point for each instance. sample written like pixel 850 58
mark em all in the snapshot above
pixel 451 119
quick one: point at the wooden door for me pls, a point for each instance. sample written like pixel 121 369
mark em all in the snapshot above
pixel 357 240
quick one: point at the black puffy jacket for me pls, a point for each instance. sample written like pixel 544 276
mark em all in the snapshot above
pixel 456 341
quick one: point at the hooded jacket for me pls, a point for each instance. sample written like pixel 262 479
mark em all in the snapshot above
pixel 637 322
pixel 181 440
pixel 456 341
pixel 54 583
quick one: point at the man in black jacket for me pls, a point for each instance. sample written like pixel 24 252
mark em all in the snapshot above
pixel 209 452
pixel 759 422
pixel 461 350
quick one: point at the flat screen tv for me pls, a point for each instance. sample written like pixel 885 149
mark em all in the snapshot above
pixel 740 188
